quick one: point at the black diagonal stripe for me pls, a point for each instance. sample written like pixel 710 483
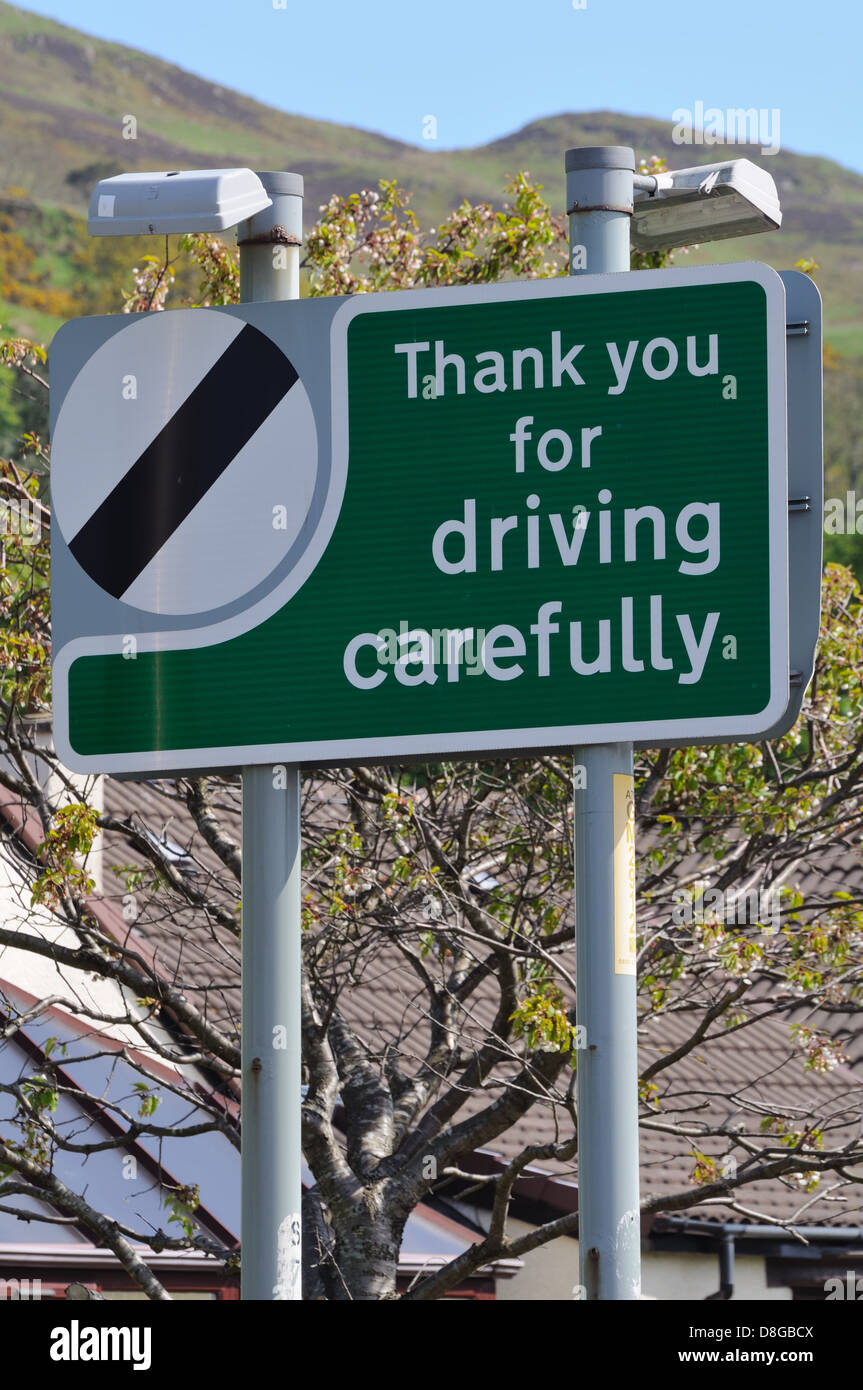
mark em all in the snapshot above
pixel 184 460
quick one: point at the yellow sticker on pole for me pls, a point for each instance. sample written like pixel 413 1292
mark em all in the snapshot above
pixel 624 874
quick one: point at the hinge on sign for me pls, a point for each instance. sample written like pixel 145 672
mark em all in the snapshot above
pixel 795 678
pixel 799 504
pixel 797 330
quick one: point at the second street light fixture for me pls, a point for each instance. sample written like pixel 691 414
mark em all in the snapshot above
pixel 708 203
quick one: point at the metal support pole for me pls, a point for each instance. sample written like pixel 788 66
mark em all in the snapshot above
pixel 599 189
pixel 271 1049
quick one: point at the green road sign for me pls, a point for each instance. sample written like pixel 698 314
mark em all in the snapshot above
pixel 506 517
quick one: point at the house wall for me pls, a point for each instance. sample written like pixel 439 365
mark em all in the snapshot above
pixel 88 788
pixel 38 975
pixel 686 1277
pixel 551 1272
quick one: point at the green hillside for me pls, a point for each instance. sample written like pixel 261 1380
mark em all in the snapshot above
pixel 65 97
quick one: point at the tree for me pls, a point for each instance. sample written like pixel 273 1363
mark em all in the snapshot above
pixel 843 460
pixel 450 888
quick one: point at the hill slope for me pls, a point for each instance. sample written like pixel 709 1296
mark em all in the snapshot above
pixel 65 96
pixel 65 100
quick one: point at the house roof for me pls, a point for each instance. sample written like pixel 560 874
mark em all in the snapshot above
pixel 733 1082
pixel 108 1060
pixel 726 1080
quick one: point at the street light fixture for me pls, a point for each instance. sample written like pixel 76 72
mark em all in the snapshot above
pixel 183 200
pixel 707 203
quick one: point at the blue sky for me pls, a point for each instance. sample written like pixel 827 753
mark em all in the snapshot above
pixel 483 68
